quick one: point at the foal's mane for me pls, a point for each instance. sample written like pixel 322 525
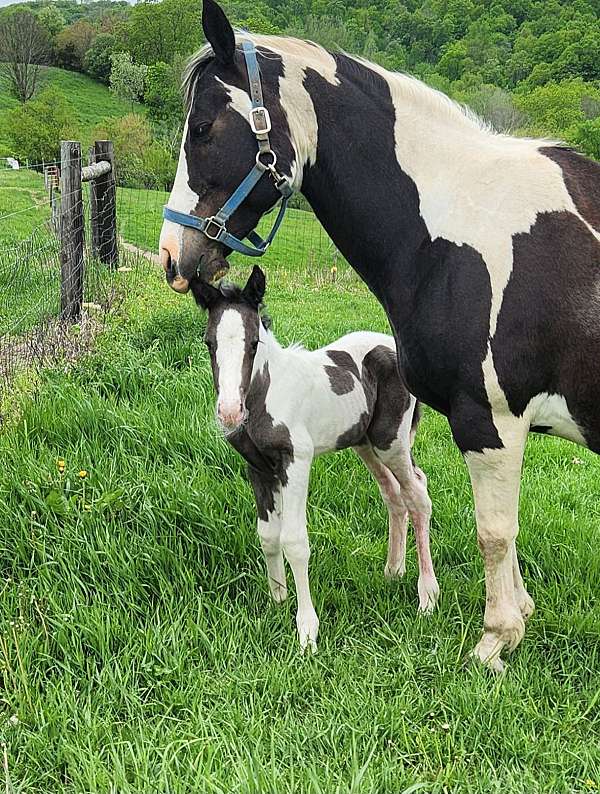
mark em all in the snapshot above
pixel 233 293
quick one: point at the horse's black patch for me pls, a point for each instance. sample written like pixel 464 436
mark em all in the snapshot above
pixel 582 179
pixel 548 332
pixel 436 294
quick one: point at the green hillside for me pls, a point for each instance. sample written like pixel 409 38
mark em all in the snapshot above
pixel 91 101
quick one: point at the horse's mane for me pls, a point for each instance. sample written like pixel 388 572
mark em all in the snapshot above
pixel 288 45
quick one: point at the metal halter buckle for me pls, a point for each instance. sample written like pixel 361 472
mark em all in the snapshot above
pixel 217 224
pixel 260 121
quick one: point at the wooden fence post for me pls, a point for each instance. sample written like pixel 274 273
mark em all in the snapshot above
pixel 104 208
pixel 71 231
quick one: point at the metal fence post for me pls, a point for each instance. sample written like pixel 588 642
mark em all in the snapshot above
pixel 71 231
pixel 104 208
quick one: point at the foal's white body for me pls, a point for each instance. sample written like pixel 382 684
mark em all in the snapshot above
pixel 301 398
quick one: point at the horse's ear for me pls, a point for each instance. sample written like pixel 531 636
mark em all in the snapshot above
pixel 218 32
pixel 254 291
pixel 205 294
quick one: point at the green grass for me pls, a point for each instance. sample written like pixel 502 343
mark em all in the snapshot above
pixel 91 101
pixel 138 647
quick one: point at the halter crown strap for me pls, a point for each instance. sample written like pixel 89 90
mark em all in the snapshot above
pixel 260 122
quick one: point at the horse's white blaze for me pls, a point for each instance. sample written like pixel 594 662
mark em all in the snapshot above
pixel 183 199
pixel 231 345
pixel 238 100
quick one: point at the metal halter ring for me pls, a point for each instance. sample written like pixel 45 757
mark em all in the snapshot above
pixel 267 166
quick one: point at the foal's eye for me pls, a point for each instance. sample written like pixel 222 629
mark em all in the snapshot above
pixel 254 346
pixel 208 344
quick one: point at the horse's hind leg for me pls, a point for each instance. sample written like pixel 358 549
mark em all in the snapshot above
pixel 397 512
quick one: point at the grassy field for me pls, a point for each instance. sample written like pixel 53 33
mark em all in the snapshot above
pixel 139 650
pixel 91 101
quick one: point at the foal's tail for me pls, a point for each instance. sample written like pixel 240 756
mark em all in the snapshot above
pixel 416 418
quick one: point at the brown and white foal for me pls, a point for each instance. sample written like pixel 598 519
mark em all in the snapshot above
pixel 281 407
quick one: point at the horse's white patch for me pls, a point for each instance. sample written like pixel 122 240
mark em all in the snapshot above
pixel 231 346
pixel 551 410
pixel 183 199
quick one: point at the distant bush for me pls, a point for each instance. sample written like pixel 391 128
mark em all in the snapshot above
pixel 98 59
pixel 36 128
pixel 162 94
pixel 127 79
pixel 140 160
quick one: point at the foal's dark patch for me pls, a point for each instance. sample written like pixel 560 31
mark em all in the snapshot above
pixel 582 179
pixel 341 376
pixel 355 435
pixel 392 399
pixel 266 447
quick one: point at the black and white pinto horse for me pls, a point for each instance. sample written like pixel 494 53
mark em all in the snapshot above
pixel 280 407
pixel 483 249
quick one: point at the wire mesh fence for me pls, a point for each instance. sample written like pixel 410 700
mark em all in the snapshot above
pixel 39 237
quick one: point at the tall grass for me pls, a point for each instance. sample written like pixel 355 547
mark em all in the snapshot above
pixel 139 650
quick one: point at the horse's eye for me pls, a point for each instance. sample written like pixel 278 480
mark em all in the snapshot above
pixel 201 129
pixel 254 346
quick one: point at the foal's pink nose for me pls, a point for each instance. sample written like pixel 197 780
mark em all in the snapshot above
pixel 230 415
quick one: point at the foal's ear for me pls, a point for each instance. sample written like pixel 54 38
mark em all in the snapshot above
pixel 205 294
pixel 254 291
pixel 218 32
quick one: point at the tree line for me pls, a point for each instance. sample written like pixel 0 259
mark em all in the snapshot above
pixel 527 66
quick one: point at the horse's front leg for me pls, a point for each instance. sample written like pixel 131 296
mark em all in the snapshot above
pixel 495 476
pixel 294 540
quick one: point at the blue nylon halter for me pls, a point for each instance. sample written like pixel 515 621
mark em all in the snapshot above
pixel 215 227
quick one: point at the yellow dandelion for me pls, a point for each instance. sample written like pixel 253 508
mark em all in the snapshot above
pixel 591 783
pixel 83 474
pixel 60 463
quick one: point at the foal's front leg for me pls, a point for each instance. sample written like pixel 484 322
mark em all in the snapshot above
pixel 294 540
pixel 267 493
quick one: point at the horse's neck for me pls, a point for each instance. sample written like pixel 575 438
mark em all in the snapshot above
pixel 364 197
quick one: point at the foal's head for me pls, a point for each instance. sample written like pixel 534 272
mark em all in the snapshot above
pixel 232 338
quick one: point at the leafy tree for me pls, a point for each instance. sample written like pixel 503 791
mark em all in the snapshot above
pixel 98 59
pixel 72 44
pixel 127 79
pixel 557 107
pixel 23 48
pixel 51 19
pixel 37 127
pixel 162 93
pixel 585 136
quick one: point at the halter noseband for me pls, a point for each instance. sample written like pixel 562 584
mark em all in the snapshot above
pixel 215 227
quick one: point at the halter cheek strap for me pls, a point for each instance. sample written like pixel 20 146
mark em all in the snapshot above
pixel 215 227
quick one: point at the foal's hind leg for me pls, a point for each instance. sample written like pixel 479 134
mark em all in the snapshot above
pixel 413 487
pixel 397 512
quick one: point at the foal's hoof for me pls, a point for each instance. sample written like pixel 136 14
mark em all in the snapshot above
pixel 394 570
pixel 429 594
pixel 278 591
pixel 308 628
